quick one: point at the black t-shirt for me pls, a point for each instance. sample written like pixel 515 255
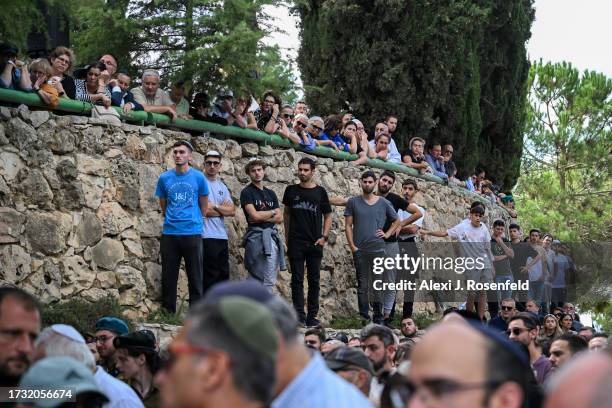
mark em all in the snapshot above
pixel 262 200
pixel 398 203
pixel 522 251
pixel 408 152
pixel 501 267
pixel 69 86
pixel 306 208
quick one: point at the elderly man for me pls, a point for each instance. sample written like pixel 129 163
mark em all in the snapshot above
pixel 508 310
pixel 465 365
pixel 353 365
pixel 151 97
pixel 224 356
pixel 436 161
pixel 19 326
pixel 63 340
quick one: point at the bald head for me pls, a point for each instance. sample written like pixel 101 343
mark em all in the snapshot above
pixel 583 383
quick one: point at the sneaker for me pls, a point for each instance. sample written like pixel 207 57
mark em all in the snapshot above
pixel 387 322
pixel 312 322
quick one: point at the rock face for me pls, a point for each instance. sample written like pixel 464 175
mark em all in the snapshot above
pixel 79 216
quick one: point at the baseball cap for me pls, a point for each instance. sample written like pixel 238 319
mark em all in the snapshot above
pixel 68 331
pixel 60 373
pixel 345 357
pixel 252 324
pixel 141 339
pixel 341 336
pixel 113 324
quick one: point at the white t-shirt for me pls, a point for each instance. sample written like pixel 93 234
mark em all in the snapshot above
pixel 214 226
pixel 405 214
pixel 475 242
pixel 119 393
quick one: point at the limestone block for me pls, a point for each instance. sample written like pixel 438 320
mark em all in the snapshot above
pixel 113 218
pixel 15 264
pixel 37 118
pixel 35 188
pixel 152 278
pixel 134 247
pixel 76 275
pixel 150 224
pixel 10 165
pixel 47 232
pixel 250 149
pixel 20 134
pixel 107 253
pixel 134 147
pixel 93 187
pixel 89 229
pixel 89 165
pixel 11 225
pixel 233 150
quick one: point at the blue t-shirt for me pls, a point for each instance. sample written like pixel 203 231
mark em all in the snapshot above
pixel 182 193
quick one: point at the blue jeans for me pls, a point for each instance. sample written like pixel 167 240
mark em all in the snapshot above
pixel 504 294
pixel 536 291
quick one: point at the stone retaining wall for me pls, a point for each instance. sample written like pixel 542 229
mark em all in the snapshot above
pixel 78 216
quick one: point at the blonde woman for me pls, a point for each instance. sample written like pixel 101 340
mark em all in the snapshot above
pixel 550 328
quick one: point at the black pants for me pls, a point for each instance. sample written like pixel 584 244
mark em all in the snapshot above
pixel 215 267
pixel 364 265
pixel 409 247
pixel 173 248
pixel 300 253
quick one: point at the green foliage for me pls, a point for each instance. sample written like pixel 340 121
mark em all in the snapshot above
pixel 80 314
pixel 453 70
pixel 566 183
pixel 164 317
pixel 422 320
pixel 210 44
pixel 19 18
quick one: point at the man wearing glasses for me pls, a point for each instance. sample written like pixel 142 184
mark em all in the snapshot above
pixel 107 328
pixel 215 267
pixel 508 310
pixel 489 371
pixel 303 138
pixel 523 329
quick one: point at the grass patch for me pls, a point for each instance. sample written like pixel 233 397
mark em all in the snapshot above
pixel 162 316
pixel 82 315
pixel 422 320
pixel 346 322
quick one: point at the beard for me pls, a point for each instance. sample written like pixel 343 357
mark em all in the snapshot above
pixel 378 365
pixel 383 190
pixel 11 377
pixel 368 189
pixel 303 178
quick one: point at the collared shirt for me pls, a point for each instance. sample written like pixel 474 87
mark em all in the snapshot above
pixel 437 166
pixel 394 155
pixel 161 97
pixel 119 393
pixel 317 386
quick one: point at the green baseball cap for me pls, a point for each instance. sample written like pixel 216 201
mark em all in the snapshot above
pixel 252 324
pixel 59 373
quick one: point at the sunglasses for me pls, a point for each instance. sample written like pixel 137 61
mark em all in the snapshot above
pixel 515 330
pixel 287 116
pixel 212 163
pixel 317 128
pixel 302 124
pixel 507 308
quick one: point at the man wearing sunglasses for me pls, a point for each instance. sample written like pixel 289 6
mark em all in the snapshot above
pixel 215 267
pixel 523 329
pixel 508 310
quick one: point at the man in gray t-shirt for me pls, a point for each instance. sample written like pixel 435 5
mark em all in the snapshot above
pixel 365 216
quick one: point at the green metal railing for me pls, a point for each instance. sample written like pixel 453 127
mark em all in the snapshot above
pixel 141 117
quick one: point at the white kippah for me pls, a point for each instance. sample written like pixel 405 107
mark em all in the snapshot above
pixel 68 331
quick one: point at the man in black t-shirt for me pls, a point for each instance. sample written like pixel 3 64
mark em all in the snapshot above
pixel 522 251
pixel 502 254
pixel 263 249
pixel 307 220
pixel 385 183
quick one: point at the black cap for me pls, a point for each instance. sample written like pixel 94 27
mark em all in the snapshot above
pixel 345 357
pixel 343 337
pixel 141 339
pixel 8 49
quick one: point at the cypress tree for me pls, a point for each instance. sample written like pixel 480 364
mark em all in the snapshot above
pixel 452 70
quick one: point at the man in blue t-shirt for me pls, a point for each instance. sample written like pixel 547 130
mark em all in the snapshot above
pixel 183 197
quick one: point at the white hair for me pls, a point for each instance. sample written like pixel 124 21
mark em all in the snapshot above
pixel 55 344
pixel 150 72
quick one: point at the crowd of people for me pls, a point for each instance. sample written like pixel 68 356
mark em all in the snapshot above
pixel 102 83
pixel 239 345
